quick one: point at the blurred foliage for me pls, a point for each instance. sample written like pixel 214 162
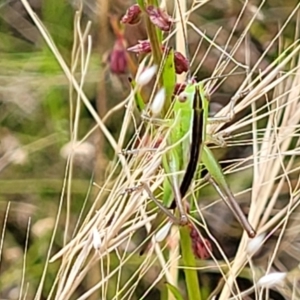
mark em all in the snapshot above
pixel 35 114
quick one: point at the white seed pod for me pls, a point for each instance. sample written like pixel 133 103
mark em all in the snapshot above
pixel 84 149
pixel 158 102
pixel 145 76
pixel 271 279
pixel 19 156
pixel 163 232
pixel 96 239
pixel 255 243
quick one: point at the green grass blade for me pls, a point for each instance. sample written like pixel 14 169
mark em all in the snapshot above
pixel 189 264
pixel 169 79
pixel 174 290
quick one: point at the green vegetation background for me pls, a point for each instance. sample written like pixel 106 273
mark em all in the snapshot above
pixel 35 114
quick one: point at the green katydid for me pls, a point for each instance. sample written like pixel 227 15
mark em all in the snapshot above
pixel 188 133
pixel 194 99
pixel 187 120
pixel 190 111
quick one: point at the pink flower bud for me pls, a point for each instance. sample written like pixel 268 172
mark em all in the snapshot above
pixel 141 47
pixel 181 63
pixel 201 246
pixel 179 88
pixel 133 15
pixel 159 18
pixel 117 58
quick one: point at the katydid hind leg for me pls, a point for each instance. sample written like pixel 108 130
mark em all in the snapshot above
pixel 218 180
pixel 231 202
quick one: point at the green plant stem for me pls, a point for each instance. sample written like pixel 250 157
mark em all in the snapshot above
pixel 189 264
pixel 154 38
pixel 155 45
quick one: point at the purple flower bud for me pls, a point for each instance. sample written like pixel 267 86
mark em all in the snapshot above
pixel 159 18
pixel 141 47
pixel 181 63
pixel 133 15
pixel 179 88
pixel 201 246
pixel 117 58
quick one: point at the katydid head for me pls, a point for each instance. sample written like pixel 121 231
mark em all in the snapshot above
pixel 188 94
pixel 184 101
pixel 183 97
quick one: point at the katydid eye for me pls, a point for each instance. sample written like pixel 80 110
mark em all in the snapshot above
pixel 182 97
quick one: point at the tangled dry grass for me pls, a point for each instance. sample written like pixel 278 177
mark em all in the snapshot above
pixel 265 178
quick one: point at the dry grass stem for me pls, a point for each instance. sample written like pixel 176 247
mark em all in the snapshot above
pixel 269 130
